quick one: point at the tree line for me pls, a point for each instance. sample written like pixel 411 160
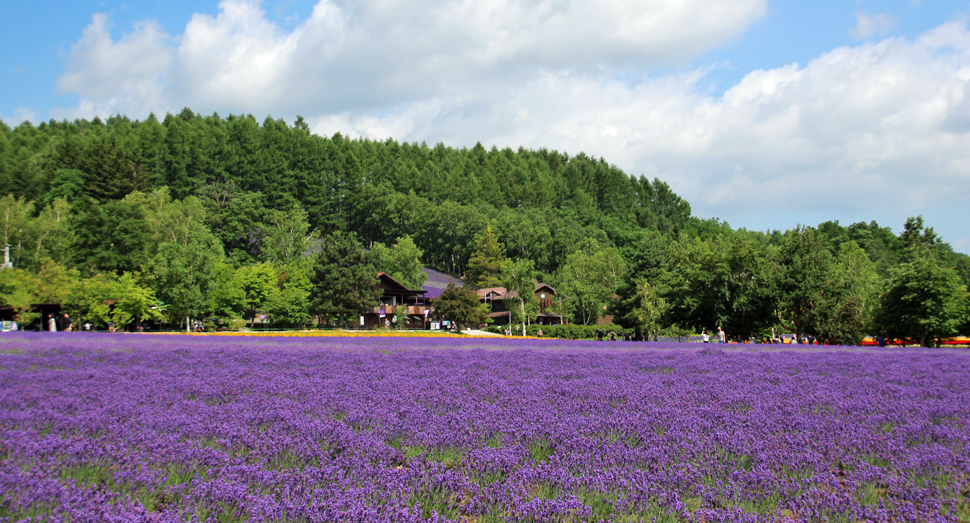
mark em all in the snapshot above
pixel 197 208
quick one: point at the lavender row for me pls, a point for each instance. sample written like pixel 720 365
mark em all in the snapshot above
pixel 136 428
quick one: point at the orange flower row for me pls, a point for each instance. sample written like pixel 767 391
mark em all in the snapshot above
pixel 334 333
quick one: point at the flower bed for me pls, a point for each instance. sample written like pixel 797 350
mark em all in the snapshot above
pixel 169 428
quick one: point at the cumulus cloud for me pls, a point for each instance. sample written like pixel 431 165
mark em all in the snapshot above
pixel 117 76
pixel 878 130
pixel 369 54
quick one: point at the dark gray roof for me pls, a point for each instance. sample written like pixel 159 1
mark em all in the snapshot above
pixel 440 280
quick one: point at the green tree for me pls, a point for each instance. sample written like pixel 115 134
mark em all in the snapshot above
pixel 286 235
pixel 15 217
pixel 54 282
pixel 649 260
pixel 925 301
pixel 402 262
pixel 236 218
pixel 589 280
pixel 18 290
pixel 68 184
pixel 90 299
pixel 798 272
pixel 182 275
pixel 344 281
pixel 288 302
pixel 257 283
pixel 133 301
pixel 697 286
pixel 487 261
pixel 227 301
pixel 519 280
pixel 846 311
pixel 51 233
pixel 181 271
pixel 112 237
pixel 461 306
pixel 649 310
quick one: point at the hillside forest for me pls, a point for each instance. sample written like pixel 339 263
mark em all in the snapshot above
pixel 192 216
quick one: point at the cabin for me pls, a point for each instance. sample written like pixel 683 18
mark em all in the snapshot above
pixel 495 298
pixel 395 295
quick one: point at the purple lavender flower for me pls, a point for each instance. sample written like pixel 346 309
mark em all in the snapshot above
pixel 174 428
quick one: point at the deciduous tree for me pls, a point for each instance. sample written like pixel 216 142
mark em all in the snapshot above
pixel 925 301
pixel 461 306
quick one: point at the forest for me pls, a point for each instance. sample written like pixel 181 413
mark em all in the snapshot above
pixel 130 221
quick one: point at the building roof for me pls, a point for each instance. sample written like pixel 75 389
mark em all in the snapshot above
pixel 440 280
pixel 432 292
pixel 495 293
pixel 396 285
pixel 500 293
pixel 540 285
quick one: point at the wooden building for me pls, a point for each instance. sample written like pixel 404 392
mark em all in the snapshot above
pixel 394 297
pixel 495 298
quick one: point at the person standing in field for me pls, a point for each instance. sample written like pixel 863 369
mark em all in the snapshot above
pixel 704 336
pixel 52 323
pixel 721 337
pixel 66 323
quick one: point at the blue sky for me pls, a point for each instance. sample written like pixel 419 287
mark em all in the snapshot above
pixel 764 113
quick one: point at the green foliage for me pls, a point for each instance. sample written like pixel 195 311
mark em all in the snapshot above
pixel 487 261
pixel 235 217
pixel 54 282
pixel 112 237
pixel 288 300
pixel 287 235
pixel 518 278
pixel 187 200
pixel 924 301
pixel 649 310
pixel 572 331
pixel 344 281
pixel 227 300
pixel 589 281
pixel 18 289
pixel 15 216
pixel 68 184
pixel 845 314
pixel 91 298
pixel 798 271
pixel 461 306
pixel 402 262
pixel 257 283
pixel 133 302
pixel 183 269
pixel 51 235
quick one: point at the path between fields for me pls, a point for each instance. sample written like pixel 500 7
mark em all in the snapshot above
pixel 471 332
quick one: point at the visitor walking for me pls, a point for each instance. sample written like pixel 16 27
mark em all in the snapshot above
pixel 721 337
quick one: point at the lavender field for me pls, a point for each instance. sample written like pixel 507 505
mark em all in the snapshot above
pixel 172 428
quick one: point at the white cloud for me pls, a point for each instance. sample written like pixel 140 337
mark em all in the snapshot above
pixel 875 25
pixel 122 76
pixel 371 54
